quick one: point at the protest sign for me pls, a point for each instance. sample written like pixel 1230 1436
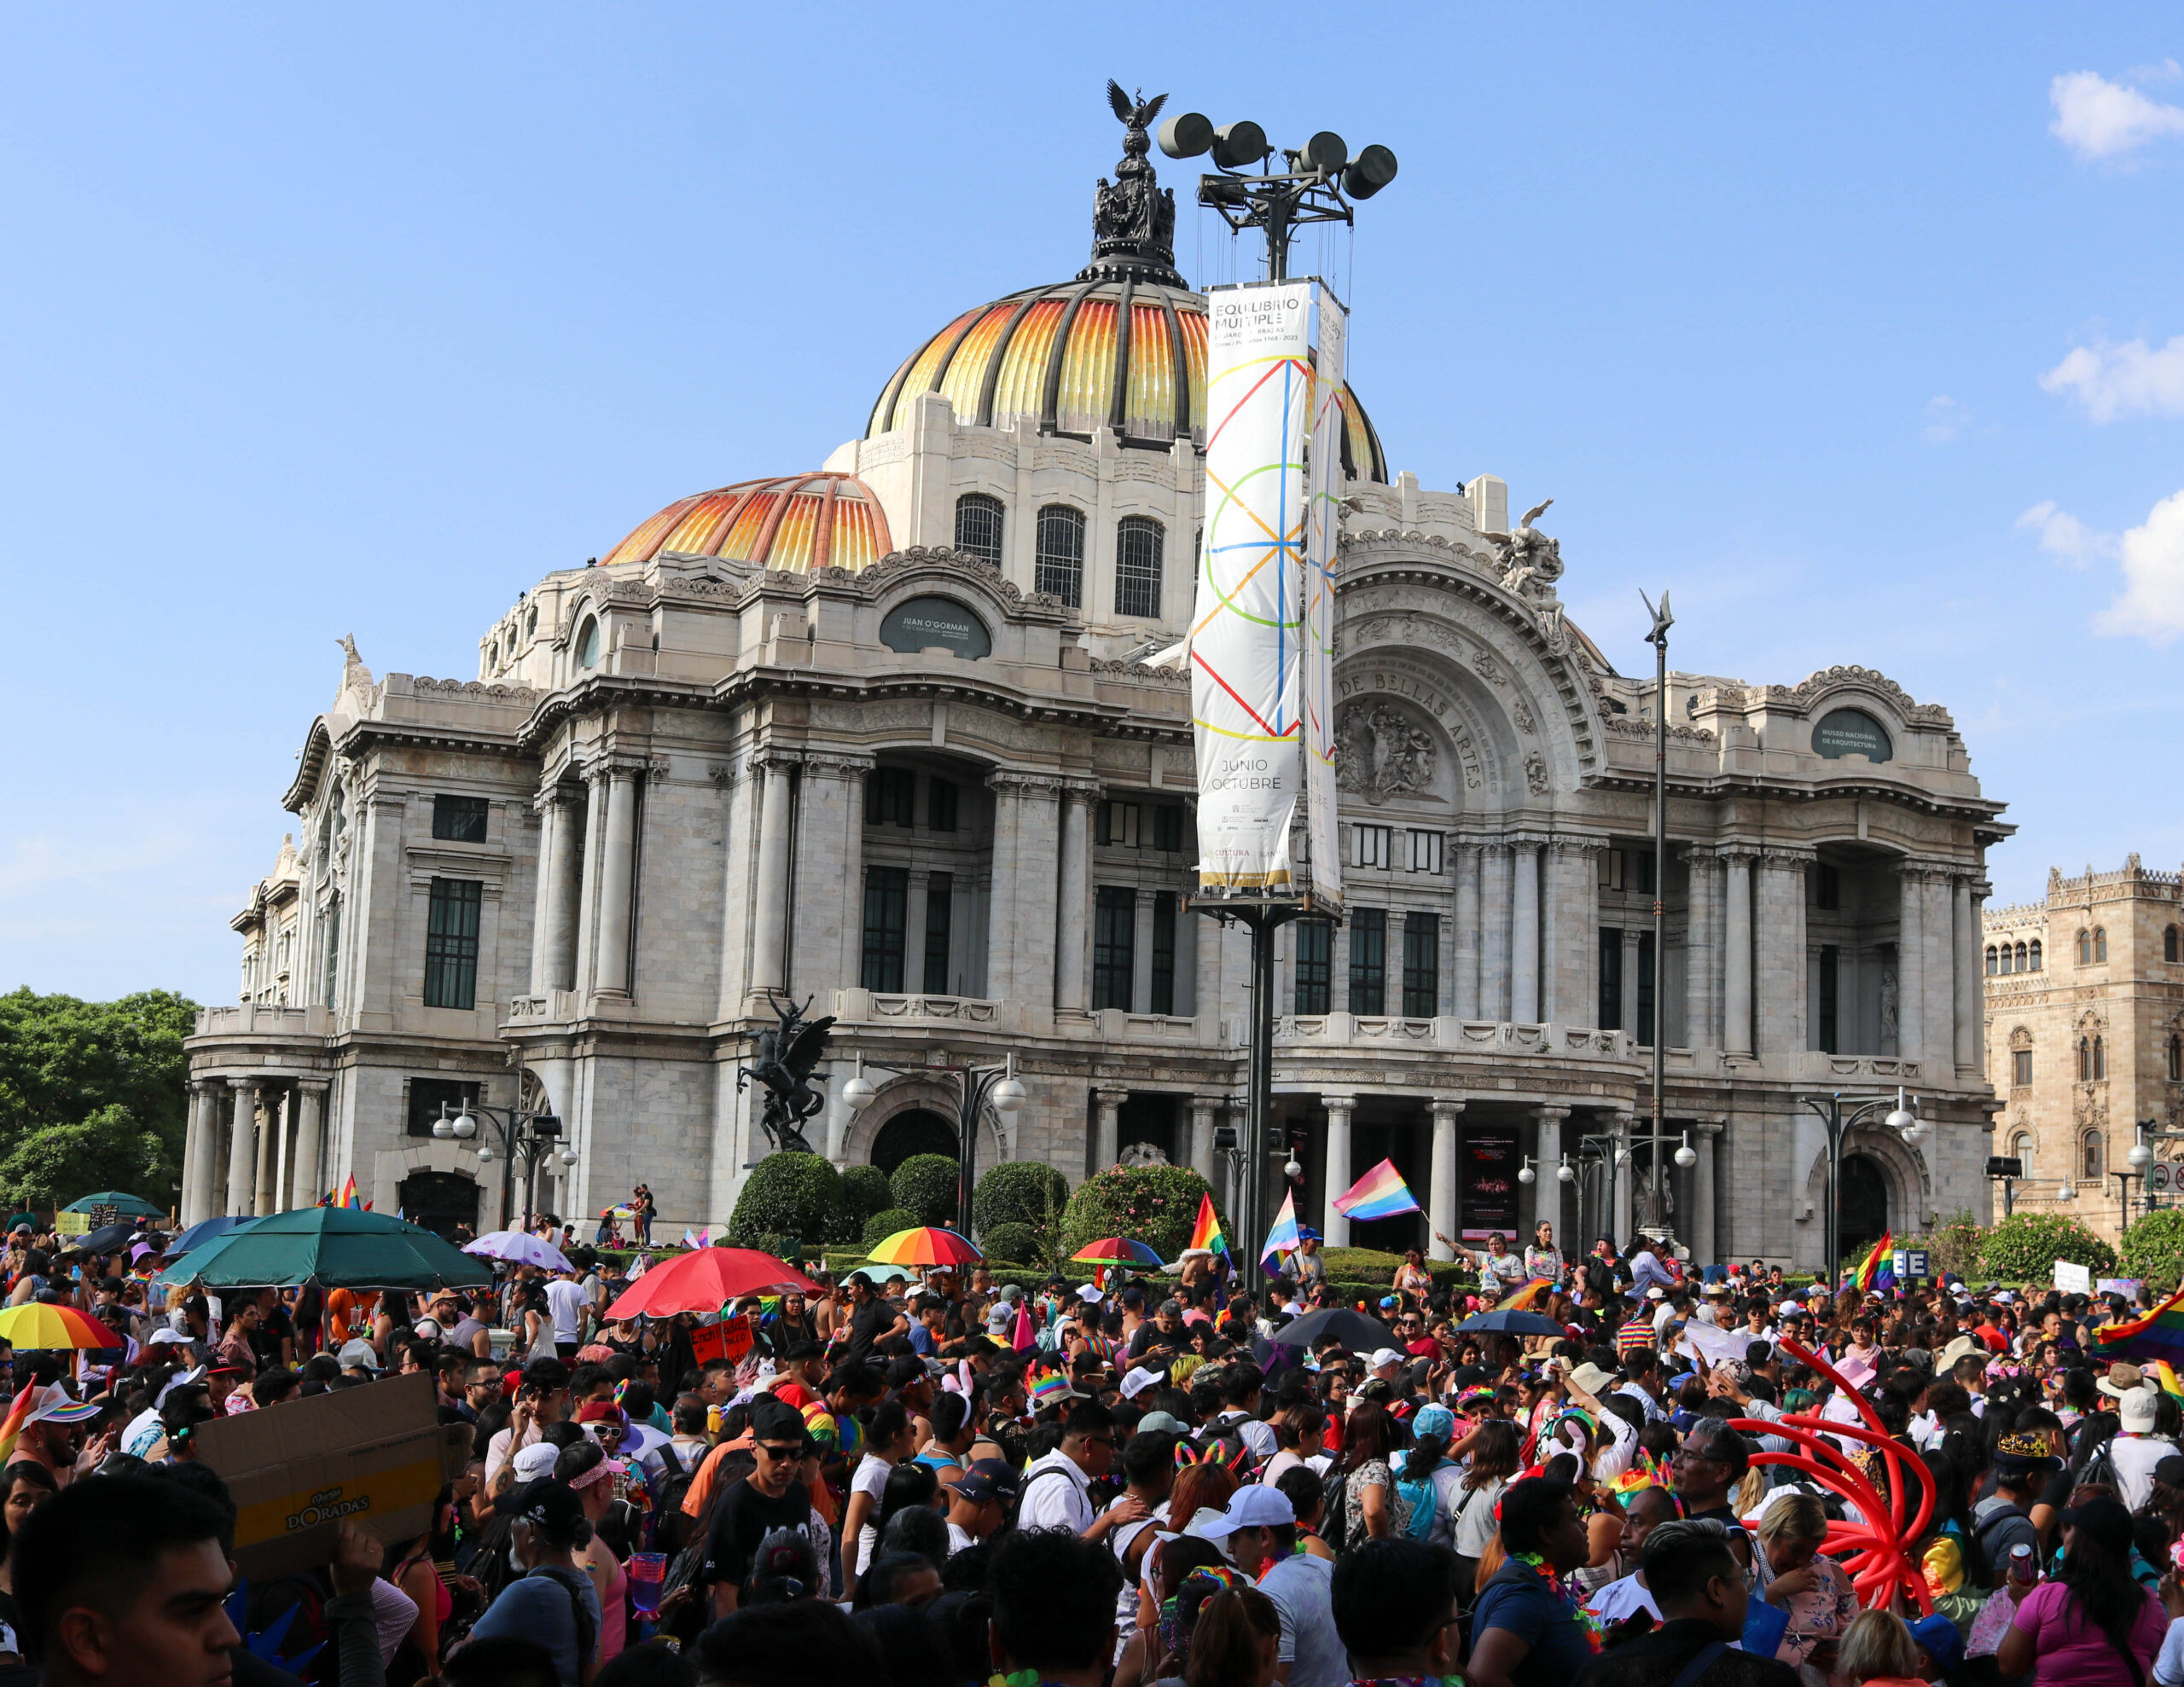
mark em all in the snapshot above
pixel 730 1339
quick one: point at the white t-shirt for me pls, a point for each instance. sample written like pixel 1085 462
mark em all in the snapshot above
pixel 1303 1591
pixel 871 1478
pixel 2168 1664
pixel 2135 1458
pixel 1477 1525
pixel 566 1300
pixel 1054 1501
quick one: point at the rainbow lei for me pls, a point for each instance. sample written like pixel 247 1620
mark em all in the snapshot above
pixel 1588 1624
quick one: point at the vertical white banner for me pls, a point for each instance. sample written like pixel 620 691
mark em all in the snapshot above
pixel 1248 620
pixel 1323 528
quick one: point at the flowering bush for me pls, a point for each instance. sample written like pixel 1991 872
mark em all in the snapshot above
pixel 2153 1248
pixel 1156 1205
pixel 2025 1246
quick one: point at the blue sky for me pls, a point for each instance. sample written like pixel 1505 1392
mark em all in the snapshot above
pixel 1860 329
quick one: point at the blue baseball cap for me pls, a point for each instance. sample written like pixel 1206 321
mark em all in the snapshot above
pixel 1938 1639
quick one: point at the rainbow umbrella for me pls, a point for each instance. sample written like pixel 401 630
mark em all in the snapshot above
pixel 38 1325
pixel 1118 1250
pixel 927 1246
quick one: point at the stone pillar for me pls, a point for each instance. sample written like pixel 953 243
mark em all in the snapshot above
pixel 1443 1203
pixel 193 1143
pixel 282 1123
pixel 1704 1242
pixel 1334 1228
pixel 1736 956
pixel 549 842
pixel 1467 944
pixel 586 968
pixel 1937 919
pixel 1783 1020
pixel 1073 914
pixel 1630 946
pixel 770 935
pixel 1625 1181
pixel 1205 1110
pixel 1107 1142
pixel 1496 871
pixel 617 865
pixel 1002 898
pixel 1910 962
pixel 1968 988
pixel 310 1127
pixel 1547 1193
pixel 1573 875
pixel 261 1187
pixel 242 1149
pixel 1523 935
pixel 1702 957
pixel 562 868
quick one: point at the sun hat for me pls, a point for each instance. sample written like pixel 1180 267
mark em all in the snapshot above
pixel 1592 1379
pixel 2136 1409
pixel 1051 1390
pixel 2122 1379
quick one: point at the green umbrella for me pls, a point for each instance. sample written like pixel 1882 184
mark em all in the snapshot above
pixel 340 1247
pixel 122 1201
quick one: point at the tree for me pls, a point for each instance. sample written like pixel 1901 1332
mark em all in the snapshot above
pixel 63 1062
pixel 2025 1246
pixel 59 1164
pixel 1018 1191
pixel 926 1184
pixel 1156 1205
pixel 865 1191
pixel 2154 1249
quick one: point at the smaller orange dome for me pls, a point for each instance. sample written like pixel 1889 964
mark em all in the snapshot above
pixel 798 522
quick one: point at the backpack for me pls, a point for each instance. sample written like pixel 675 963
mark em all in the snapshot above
pixel 1419 1495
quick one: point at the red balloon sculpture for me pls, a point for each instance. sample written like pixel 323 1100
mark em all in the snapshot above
pixel 1879 1564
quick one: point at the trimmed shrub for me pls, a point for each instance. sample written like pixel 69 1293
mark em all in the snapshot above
pixel 2154 1249
pixel 865 1191
pixel 926 1184
pixel 887 1221
pixel 797 1194
pixel 1017 1243
pixel 1156 1205
pixel 1360 1265
pixel 1018 1191
pixel 2025 1246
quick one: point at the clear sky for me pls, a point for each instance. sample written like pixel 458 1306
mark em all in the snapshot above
pixel 1861 327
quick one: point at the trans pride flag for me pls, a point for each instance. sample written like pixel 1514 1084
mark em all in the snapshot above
pixel 1381 1193
pixel 1283 1239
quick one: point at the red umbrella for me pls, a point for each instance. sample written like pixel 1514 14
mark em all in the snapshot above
pixel 706 1279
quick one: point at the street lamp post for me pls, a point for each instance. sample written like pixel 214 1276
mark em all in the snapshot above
pixel 981 1087
pixel 1838 1123
pixel 526 1135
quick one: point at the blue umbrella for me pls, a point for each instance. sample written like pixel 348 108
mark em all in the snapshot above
pixel 202 1232
pixel 1510 1324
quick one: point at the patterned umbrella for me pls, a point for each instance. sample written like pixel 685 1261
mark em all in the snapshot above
pixel 1118 1250
pixel 37 1325
pixel 519 1247
pixel 927 1246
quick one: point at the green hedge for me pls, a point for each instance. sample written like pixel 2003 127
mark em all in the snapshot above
pixel 926 1184
pixel 1020 1191
pixel 2026 1245
pixel 797 1195
pixel 865 1191
pixel 1010 1242
pixel 1156 1205
pixel 887 1221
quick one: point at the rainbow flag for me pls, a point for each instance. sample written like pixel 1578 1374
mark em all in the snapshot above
pixel 1282 1239
pixel 348 1192
pixel 1381 1193
pixel 12 1425
pixel 2169 1385
pixel 1879 1271
pixel 1523 1299
pixel 1207 1232
pixel 2158 1336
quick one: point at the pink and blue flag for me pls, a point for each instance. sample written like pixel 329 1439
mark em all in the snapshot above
pixel 1381 1193
pixel 1283 1238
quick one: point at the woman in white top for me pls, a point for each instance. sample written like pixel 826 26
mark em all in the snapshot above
pixel 1494 1459
pixel 1544 1258
pixel 891 1440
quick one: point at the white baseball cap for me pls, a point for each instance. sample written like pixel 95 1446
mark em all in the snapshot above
pixel 1382 1357
pixel 1139 1381
pixel 535 1460
pixel 1088 1292
pixel 1255 1506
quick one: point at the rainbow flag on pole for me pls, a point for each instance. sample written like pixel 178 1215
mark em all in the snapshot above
pixel 2157 1337
pixel 1207 1232
pixel 1878 1270
pixel 1283 1239
pixel 1523 1298
pixel 1381 1193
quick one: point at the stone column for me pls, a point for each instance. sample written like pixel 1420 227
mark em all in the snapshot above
pixel 1466 932
pixel 617 864
pixel 1704 1243
pixel 1625 1180
pixel 1910 962
pixel 242 1149
pixel 1969 893
pixel 282 1123
pixel 1547 1193
pixel 310 1127
pixel 261 1196
pixel 1783 1020
pixel 1702 950
pixel 586 968
pixel 1108 1141
pixel 1496 871
pixel 1073 914
pixel 1444 1202
pixel 1630 946
pixel 1334 1226
pixel 1736 956
pixel 1002 898
pixel 562 869
pixel 1523 935
pixel 1205 1110
pixel 542 920
pixel 769 937
pixel 193 1140
pixel 1937 919
pixel 1573 867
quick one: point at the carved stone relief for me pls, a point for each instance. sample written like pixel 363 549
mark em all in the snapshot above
pixel 1380 752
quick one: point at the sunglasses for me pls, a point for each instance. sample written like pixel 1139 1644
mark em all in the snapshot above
pixel 772 1451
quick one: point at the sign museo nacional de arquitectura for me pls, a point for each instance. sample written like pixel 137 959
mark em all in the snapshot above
pixel 908 733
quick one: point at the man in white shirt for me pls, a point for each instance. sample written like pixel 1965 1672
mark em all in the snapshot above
pixel 565 1297
pixel 1054 1487
pixel 2137 1449
pixel 1260 1526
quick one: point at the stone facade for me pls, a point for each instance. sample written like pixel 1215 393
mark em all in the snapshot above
pixel 685 779
pixel 2085 1035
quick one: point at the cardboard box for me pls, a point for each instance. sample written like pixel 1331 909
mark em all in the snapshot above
pixel 376 1456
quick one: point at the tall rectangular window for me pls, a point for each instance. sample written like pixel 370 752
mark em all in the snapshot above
pixel 1369 961
pixel 2020 1067
pixel 891 796
pixel 1610 977
pixel 978 527
pixel 1830 973
pixel 1827 886
pixel 1421 966
pixel 1138 542
pixel 1425 851
pixel 886 912
pixel 451 943
pixel 462 818
pixel 1059 567
pixel 1645 1016
pixel 1369 845
pixel 1315 965
pixel 939 930
pixel 1164 952
pixel 1120 826
pixel 940 805
pixel 1168 827
pixel 1114 946
pixel 1641 862
pixel 333 946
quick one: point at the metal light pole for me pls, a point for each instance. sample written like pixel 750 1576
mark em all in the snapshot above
pixel 2124 1203
pixel 1658 638
pixel 524 1135
pixel 1838 1123
pixel 981 1087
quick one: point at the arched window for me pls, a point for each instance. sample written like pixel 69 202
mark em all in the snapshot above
pixel 978 527
pixel 1060 568
pixel 2085 948
pixel 2004 967
pixel 2035 967
pixel 1990 961
pixel 2100 943
pixel 2089 1155
pixel 2021 966
pixel 588 643
pixel 1138 541
pixel 2177 1060
pixel 2021 1149
pixel 2099 1057
pixel 2172 945
pixel 2085 1060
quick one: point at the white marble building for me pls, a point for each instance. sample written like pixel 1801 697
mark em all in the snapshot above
pixel 884 735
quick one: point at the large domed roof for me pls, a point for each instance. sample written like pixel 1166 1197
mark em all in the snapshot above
pixel 1103 350
pixel 798 522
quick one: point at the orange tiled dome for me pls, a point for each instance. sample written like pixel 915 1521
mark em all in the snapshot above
pixel 798 522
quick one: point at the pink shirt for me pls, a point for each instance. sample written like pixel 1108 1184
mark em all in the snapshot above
pixel 2069 1651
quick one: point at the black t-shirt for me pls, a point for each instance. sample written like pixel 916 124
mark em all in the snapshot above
pixel 1659 1657
pixel 868 1322
pixel 742 1519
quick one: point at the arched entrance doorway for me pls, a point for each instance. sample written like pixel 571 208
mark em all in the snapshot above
pixel 439 1201
pixel 1865 1203
pixel 919 1131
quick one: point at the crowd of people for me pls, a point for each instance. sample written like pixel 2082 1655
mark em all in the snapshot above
pixel 952 1480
